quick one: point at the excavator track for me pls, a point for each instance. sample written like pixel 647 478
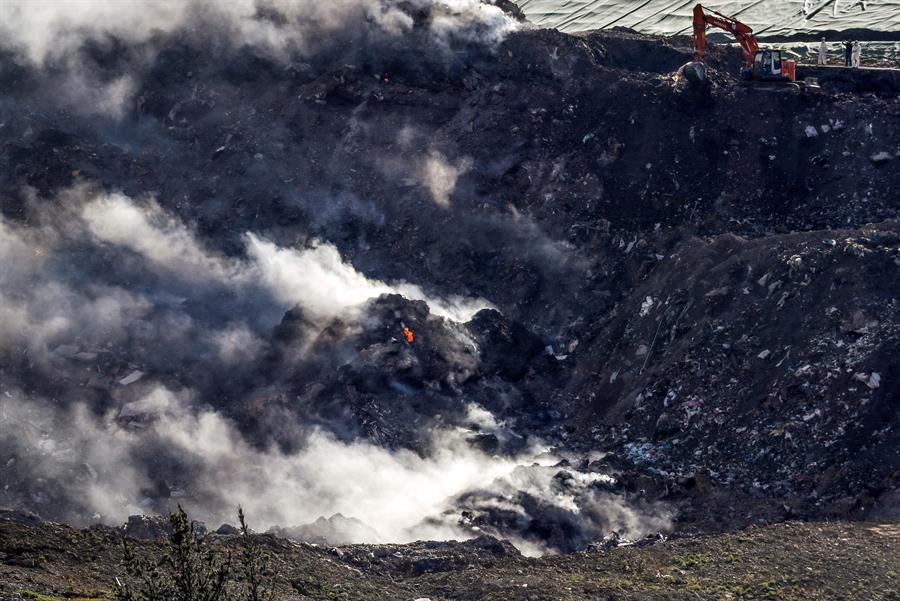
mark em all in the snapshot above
pixel 773 87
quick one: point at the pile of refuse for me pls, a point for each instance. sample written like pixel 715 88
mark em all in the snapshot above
pixel 767 368
pixel 373 382
pixel 700 283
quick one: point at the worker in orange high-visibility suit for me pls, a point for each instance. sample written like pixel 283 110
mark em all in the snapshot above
pixel 408 334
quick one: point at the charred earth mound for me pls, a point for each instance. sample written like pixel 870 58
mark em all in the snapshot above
pixel 258 258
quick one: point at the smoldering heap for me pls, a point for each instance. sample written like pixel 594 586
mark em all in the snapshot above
pixel 626 299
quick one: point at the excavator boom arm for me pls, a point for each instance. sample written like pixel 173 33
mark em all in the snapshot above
pixel 742 33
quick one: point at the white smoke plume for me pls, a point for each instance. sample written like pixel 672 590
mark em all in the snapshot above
pixel 395 494
pixel 97 275
pixel 101 270
pixel 50 29
pixel 97 461
pixel 439 176
pixel 575 499
pixel 146 360
pixel 319 280
pixel 52 33
pixel 316 277
pixel 40 310
pixel 56 307
pixel 160 238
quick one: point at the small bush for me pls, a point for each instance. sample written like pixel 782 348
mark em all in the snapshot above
pixel 253 565
pixel 190 569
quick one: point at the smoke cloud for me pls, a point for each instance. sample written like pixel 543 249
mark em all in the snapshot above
pixel 396 496
pixel 55 34
pixel 96 462
pixel 231 312
pixel 51 297
pixel 316 277
pixel 65 307
pixel 50 30
pixel 320 281
pixel 98 317
pixel 96 294
pixel 439 176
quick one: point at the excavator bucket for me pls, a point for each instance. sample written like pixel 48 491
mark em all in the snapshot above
pixel 695 72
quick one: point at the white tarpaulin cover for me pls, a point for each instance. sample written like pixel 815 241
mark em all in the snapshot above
pixel 766 17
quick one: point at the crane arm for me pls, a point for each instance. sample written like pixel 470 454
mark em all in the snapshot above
pixel 742 33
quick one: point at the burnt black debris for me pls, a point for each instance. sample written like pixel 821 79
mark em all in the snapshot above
pixel 698 285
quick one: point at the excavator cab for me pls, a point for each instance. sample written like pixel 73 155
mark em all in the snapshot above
pixel 769 65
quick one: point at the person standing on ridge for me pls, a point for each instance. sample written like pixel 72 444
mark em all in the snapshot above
pixel 848 53
pixel 823 52
pixel 856 54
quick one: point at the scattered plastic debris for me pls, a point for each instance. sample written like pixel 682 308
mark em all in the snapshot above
pixel 132 377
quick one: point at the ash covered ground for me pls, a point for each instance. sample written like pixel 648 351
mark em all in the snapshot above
pixel 636 307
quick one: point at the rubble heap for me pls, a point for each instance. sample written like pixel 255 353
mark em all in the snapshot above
pixel 701 283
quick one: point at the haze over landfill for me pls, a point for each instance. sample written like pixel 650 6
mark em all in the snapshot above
pixel 390 272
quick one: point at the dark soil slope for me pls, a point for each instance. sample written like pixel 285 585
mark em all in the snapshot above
pixel 703 282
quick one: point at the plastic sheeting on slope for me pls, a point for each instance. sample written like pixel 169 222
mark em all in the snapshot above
pixel 766 17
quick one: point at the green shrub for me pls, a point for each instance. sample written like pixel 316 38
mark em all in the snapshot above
pixel 190 569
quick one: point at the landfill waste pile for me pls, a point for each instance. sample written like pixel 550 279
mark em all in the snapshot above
pixel 385 271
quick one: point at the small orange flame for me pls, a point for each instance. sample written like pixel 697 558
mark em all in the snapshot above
pixel 409 335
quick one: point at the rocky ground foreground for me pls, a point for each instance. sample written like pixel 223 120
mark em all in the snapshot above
pixel 790 561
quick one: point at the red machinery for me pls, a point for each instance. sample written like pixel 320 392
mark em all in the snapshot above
pixel 758 64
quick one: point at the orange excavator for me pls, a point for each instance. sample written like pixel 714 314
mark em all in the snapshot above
pixel 758 64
